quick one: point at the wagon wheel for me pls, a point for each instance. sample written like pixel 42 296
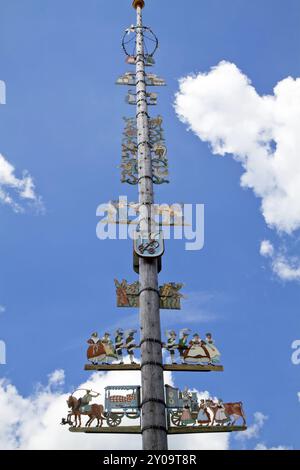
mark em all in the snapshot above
pixel 133 415
pixel 176 418
pixel 114 420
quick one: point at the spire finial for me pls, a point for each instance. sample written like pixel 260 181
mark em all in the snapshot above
pixel 138 3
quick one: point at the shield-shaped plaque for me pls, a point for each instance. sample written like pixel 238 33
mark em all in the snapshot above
pixel 150 245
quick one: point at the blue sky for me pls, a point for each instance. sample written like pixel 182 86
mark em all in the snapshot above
pixel 63 123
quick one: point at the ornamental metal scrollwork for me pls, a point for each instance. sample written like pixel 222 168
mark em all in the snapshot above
pixel 129 165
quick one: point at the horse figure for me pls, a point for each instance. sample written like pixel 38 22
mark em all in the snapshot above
pixel 95 412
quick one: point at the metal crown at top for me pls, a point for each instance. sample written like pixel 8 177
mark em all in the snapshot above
pixel 138 3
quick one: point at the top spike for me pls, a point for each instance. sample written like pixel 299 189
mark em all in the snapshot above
pixel 138 3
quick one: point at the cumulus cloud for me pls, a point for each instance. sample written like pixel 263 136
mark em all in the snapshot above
pixel 264 447
pixel 2 92
pixel 14 190
pixel 266 248
pixel 261 132
pixel 285 267
pixel 253 430
pixel 32 422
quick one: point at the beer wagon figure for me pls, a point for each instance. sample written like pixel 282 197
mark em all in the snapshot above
pixel 182 407
pixel 119 405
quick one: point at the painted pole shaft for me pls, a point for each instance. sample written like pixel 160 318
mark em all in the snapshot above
pixel 153 408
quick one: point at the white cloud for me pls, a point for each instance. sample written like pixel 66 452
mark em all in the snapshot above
pixel 56 378
pixel 298 394
pixel 2 92
pixel 33 422
pixel 253 430
pixel 264 447
pixel 2 309
pixel 15 191
pixel 261 132
pixel 287 268
pixel 266 248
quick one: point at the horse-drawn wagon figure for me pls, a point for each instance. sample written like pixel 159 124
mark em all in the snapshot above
pixel 120 402
pixel 120 405
pixel 184 409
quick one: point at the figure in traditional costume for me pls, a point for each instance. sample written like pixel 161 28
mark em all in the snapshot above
pixel 203 415
pixel 109 348
pixel 130 344
pixel 214 353
pixel 119 344
pixel 84 402
pixel 96 352
pixel 186 417
pixel 221 418
pixel 183 343
pixel 197 352
pixel 171 345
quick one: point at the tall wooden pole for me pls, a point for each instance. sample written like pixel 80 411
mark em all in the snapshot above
pixel 153 402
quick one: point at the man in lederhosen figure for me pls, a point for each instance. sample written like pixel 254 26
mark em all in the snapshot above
pixel 119 344
pixel 171 345
pixel 131 345
pixel 183 343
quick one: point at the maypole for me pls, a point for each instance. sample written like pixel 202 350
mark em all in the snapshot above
pixel 159 408
pixel 153 402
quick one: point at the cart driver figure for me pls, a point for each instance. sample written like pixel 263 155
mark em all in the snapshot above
pixel 84 402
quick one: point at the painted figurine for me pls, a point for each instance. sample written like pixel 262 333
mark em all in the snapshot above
pixel 197 353
pixel 83 406
pixel 221 417
pixel 171 345
pixel 96 352
pixel 84 402
pixel 203 415
pixel 183 344
pixel 214 353
pixel 100 350
pixel 186 417
pixel 119 344
pixel 109 348
pixel 130 344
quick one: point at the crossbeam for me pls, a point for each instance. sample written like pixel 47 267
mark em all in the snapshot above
pixel 107 430
pixel 166 367
pixel 205 429
pixel 179 430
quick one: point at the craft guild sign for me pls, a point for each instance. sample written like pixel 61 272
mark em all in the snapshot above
pixel 128 295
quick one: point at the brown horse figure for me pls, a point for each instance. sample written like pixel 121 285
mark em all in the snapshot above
pixel 234 410
pixel 96 412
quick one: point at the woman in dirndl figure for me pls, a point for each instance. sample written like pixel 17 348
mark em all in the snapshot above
pixel 203 415
pixel 186 417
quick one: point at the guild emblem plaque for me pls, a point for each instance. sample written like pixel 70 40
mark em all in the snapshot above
pixel 149 245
